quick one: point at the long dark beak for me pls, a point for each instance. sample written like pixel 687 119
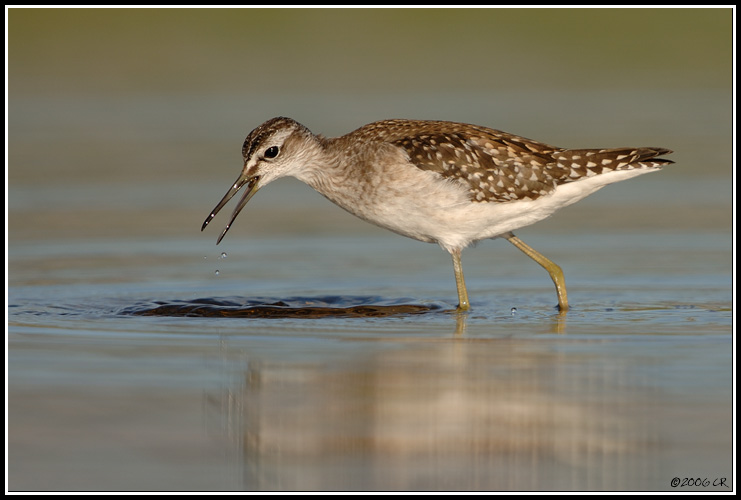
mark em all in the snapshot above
pixel 251 183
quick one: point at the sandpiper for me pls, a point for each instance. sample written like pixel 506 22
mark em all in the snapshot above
pixel 436 181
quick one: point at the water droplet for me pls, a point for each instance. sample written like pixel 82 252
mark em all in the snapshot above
pixel 216 272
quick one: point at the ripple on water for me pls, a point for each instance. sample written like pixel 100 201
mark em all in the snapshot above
pixel 293 307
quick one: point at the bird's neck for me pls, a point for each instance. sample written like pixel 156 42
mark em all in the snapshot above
pixel 334 169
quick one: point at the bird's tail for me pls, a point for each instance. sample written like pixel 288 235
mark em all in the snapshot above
pixel 588 162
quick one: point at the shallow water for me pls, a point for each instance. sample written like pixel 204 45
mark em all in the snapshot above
pixel 120 377
pixel 134 365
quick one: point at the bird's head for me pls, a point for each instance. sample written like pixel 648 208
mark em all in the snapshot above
pixel 280 147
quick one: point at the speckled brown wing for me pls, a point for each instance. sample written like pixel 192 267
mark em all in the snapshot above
pixel 496 166
pixel 492 167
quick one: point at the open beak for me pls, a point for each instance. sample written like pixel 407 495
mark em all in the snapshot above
pixel 252 187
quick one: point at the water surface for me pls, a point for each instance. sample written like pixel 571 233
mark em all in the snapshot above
pixel 135 372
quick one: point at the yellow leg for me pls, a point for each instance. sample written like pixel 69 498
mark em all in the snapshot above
pixel 463 304
pixel 553 269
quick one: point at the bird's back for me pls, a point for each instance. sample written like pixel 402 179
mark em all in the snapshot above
pixel 497 166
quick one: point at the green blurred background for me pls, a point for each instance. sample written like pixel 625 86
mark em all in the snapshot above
pixel 362 50
pixel 145 110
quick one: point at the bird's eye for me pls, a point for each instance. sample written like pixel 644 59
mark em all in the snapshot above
pixel 271 152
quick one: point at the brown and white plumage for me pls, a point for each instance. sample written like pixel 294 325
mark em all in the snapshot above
pixel 435 181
